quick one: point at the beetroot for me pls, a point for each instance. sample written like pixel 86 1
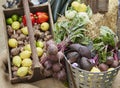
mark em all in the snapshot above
pixel 48 64
pixel 109 60
pixel 43 58
pixel 82 50
pixel 85 64
pixel 53 58
pixel 72 56
pixel 55 75
pixel 47 73
pixel 60 55
pixel 56 67
pixel 50 42
pixel 61 75
pixel 103 67
pixel 115 63
pixel 52 49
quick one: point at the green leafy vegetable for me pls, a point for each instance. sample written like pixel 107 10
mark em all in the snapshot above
pixel 105 41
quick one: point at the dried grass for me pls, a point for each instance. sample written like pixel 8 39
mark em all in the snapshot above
pixel 109 19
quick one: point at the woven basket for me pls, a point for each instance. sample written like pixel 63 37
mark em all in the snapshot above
pixel 79 78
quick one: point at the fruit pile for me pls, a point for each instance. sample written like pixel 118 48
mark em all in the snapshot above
pixel 19 44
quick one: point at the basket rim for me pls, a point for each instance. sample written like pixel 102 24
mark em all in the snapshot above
pixel 104 72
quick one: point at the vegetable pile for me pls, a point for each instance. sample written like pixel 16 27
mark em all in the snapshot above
pixel 70 41
pixel 95 55
pixel 53 61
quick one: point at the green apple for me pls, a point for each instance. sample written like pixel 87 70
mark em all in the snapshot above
pixel 16 60
pixel 27 47
pixel 39 51
pixel 9 21
pixel 25 54
pixel 40 44
pixel 12 43
pixel 24 30
pixel 27 62
pixel 22 71
pixel 44 26
pixel 14 17
pixel 15 25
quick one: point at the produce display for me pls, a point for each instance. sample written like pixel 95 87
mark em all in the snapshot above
pixel 82 51
pixel 19 44
pixel 70 40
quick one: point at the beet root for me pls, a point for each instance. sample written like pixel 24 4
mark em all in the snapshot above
pixel 52 49
pixel 72 56
pixel 53 58
pixel 83 50
pixel 48 64
pixel 109 60
pixel 47 73
pixel 85 64
pixel 61 75
pixel 115 63
pixel 56 67
pixel 103 67
pixel 50 42
pixel 60 55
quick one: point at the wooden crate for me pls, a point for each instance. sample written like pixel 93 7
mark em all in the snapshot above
pixel 100 6
pixel 37 73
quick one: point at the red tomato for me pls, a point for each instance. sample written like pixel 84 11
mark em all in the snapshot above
pixel 31 17
pixel 41 17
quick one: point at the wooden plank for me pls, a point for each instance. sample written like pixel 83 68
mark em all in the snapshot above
pixel 103 6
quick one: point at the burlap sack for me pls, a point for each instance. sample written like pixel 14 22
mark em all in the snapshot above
pixel 5 83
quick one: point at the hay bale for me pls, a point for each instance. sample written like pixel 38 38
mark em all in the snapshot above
pixel 109 19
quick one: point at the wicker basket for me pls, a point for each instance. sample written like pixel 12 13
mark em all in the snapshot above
pixel 79 78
